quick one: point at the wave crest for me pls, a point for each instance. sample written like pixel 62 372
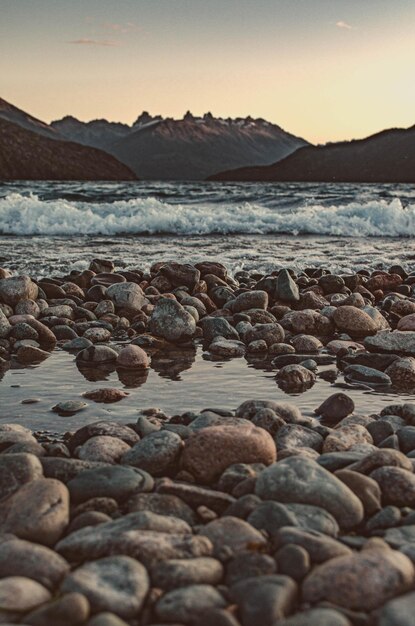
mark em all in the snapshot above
pixel 29 215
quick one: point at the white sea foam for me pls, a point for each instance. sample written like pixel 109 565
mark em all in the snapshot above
pixel 28 215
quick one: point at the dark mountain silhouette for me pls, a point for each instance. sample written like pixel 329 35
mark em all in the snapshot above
pixel 188 149
pixel 387 157
pixel 12 114
pixel 28 155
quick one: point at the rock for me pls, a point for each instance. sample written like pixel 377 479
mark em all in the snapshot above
pixel 231 535
pixel 31 560
pixel 31 354
pixel 88 518
pixel 181 274
pixel 350 581
pixel 311 518
pixel 208 452
pixel 388 517
pixel 398 612
pixel 182 573
pixel 162 504
pixel 106 619
pixel 17 288
pixel 264 600
pixel 402 373
pixel 248 565
pixel 354 321
pixel 196 496
pixel 72 609
pixel 295 378
pixel 301 480
pixel 133 357
pixel 116 482
pixel 360 373
pixel 365 488
pixel 397 485
pixel 127 297
pixel 226 348
pixel 338 345
pixel 296 436
pixel 270 333
pixel 396 342
pixel 79 343
pixel 381 458
pixel 5 326
pixel 97 335
pixel 96 355
pixel 187 604
pixel 250 300
pixel 336 407
pixel 69 407
pixel 287 289
pixel 406 436
pixel 16 470
pixel 293 561
pixel 158 453
pixel 316 617
pixel 19 594
pixel 384 282
pixel 102 448
pixel 319 546
pixel 102 427
pixel 345 437
pixel 127 536
pixel 171 321
pixel 106 394
pixel 402 538
pixel 217 327
pixel 306 344
pixel 38 511
pixel 307 322
pixel 289 412
pixel 117 583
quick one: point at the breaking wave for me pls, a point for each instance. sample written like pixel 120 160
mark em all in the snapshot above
pixel 29 215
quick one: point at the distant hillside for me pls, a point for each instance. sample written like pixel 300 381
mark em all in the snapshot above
pixel 12 114
pixel 192 148
pixel 27 155
pixel 387 157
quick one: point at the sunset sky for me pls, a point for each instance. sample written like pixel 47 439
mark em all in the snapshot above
pixel 322 69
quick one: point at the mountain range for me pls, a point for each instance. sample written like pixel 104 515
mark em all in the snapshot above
pixel 193 148
pixel 31 150
pixel 386 157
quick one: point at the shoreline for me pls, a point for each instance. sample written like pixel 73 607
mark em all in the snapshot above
pixel 217 516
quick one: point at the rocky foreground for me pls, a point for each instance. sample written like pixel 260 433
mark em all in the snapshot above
pixel 254 517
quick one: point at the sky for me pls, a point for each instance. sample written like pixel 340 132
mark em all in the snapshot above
pixel 325 70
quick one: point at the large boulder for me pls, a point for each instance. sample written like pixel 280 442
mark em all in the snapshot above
pixel 300 480
pixel 171 321
pixel 128 297
pixel 208 452
pixel 17 288
pixel 360 581
pixel 38 511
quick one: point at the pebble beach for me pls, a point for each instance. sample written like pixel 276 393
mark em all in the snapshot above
pixel 252 512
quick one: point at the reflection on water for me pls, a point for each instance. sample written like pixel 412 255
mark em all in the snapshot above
pixel 178 381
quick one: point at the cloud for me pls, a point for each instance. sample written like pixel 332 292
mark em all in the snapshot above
pixel 84 41
pixel 127 27
pixel 342 24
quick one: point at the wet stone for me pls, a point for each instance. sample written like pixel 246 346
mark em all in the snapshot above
pixel 117 583
pixel 182 573
pixel 118 482
pixel 300 480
